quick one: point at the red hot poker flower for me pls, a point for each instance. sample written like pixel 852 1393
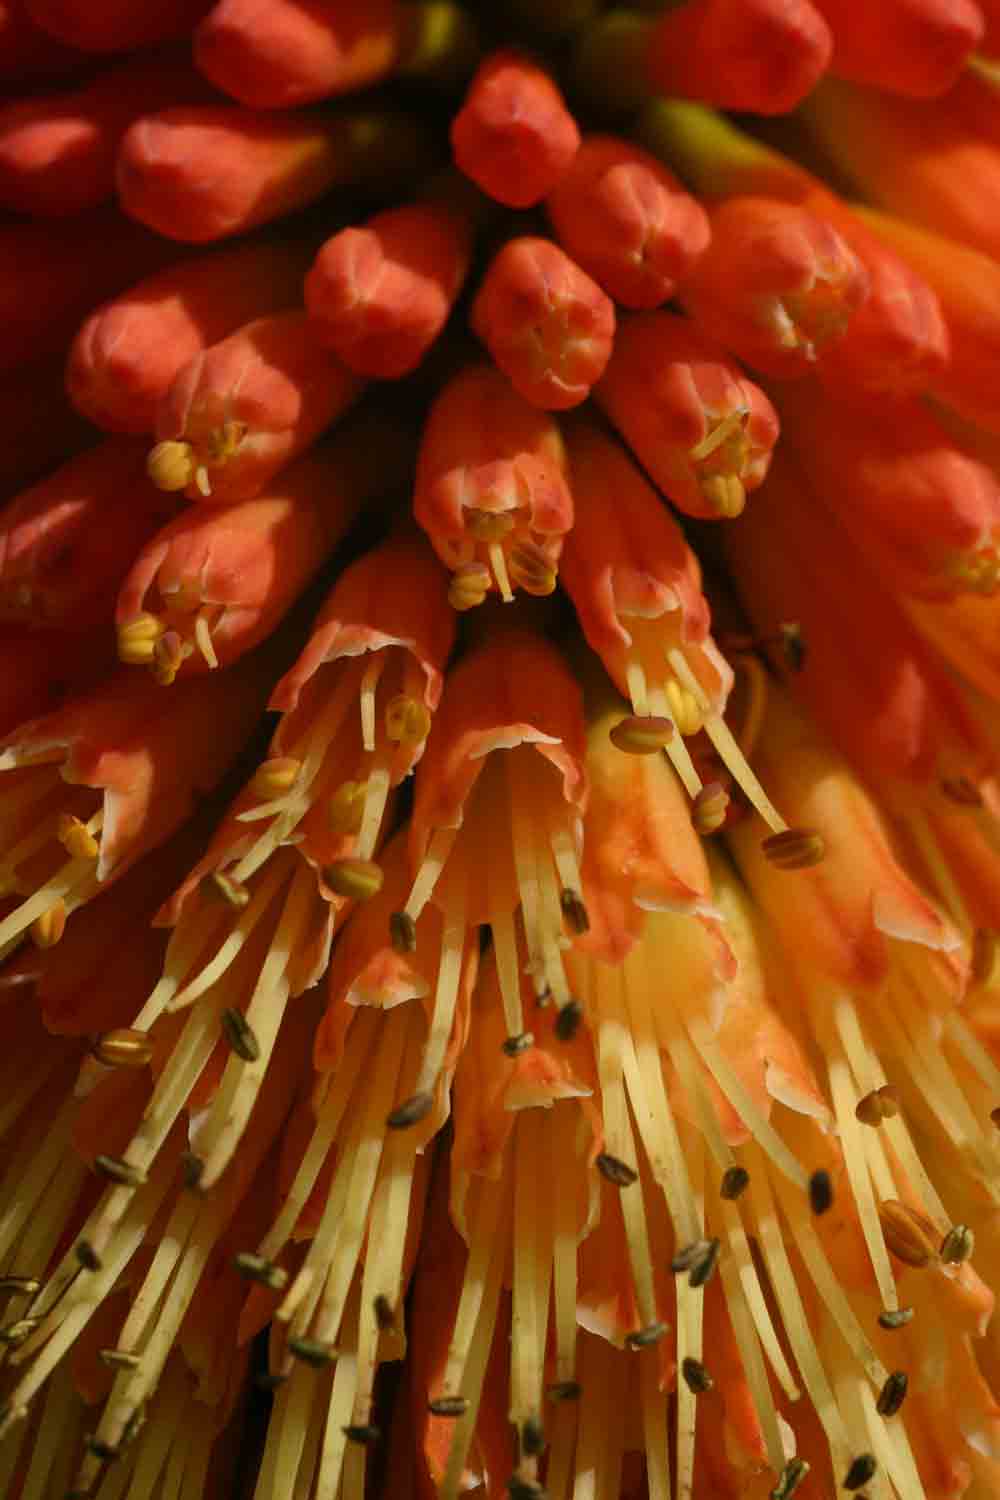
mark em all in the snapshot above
pixel 378 294
pixel 235 414
pixel 216 580
pixel 66 544
pixel 126 354
pixel 514 135
pixel 491 488
pixel 546 324
pixel 914 47
pixel 265 165
pixel 777 285
pixel 695 422
pixel 297 51
pixel 627 221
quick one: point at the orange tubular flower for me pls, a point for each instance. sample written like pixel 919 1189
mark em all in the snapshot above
pixel 636 586
pixel 67 543
pixel 217 580
pixel 96 784
pixel 267 165
pixel 626 220
pixel 926 515
pixel 234 415
pixel 127 353
pixel 914 47
pixel 695 422
pixel 491 489
pixel 301 52
pixel 379 295
pixel 777 285
pixel 514 135
pixel 759 55
pixel 547 325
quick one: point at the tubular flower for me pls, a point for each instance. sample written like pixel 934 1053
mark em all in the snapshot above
pixel 590 1006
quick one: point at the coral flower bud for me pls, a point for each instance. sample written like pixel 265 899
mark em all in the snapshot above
pixel 914 47
pixel 514 135
pixel 115 25
pixel 379 294
pixel 939 167
pixel 627 221
pixel 57 151
pixel 67 543
pixel 777 285
pixel 547 325
pixel 264 165
pixel 491 488
pixel 217 579
pixel 926 514
pixel 126 354
pixel 245 406
pixel 296 51
pixel 758 55
pixel 695 422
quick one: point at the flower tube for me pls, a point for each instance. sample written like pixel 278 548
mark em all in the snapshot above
pixel 491 489
pixel 238 411
pixel 912 47
pixel 702 430
pixel 514 136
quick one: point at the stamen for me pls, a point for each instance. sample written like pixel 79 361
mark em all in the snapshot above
pixel 354 879
pixel 275 777
pixel 710 809
pixel 508 971
pixel 641 736
pixel 376 796
pixel 724 428
pixel 795 849
pixel 203 640
pixel 469 586
pixel 369 682
pixel 498 562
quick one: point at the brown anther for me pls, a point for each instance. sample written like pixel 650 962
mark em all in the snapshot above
pixel 88 1256
pixel 410 1112
pixel 895 1317
pixel 76 838
pixel 703 1268
pixel 820 1191
pixel 13 1334
pixel 709 808
pixel 957 1245
pixel 735 1181
pixel 862 1468
pixel 995 1116
pixel 47 929
pixel 642 734
pixel 270 1380
pixel 961 789
pixel 171 465
pixel 790 1478
pixel 793 644
pixel 513 1046
pixel 20 1286
pixel 117 1169
pixel 488 525
pixel 688 1255
pixel 312 1352
pixel 574 911
pixel 531 570
pixel 985 950
pixel 273 778
pixel 795 849
pixel 520 1488
pixel 696 1377
pixel 222 887
pixel 893 1394
pixel 567 1022
pixel 644 1338
pixel 168 656
pixel 564 1390
pixel 469 586
pixel 881 1104
pixel 448 1406
pixel 354 879
pixel 346 807
pixel 106 1452
pixel 910 1236
pixel 240 1035
pixel 123 1048
pixel 407 721
pixel 362 1432
pixel 118 1359
pixel 265 1272
pixel 617 1172
pixel 385 1315
pixel 402 933
pixel 532 1437
pixel 192 1171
